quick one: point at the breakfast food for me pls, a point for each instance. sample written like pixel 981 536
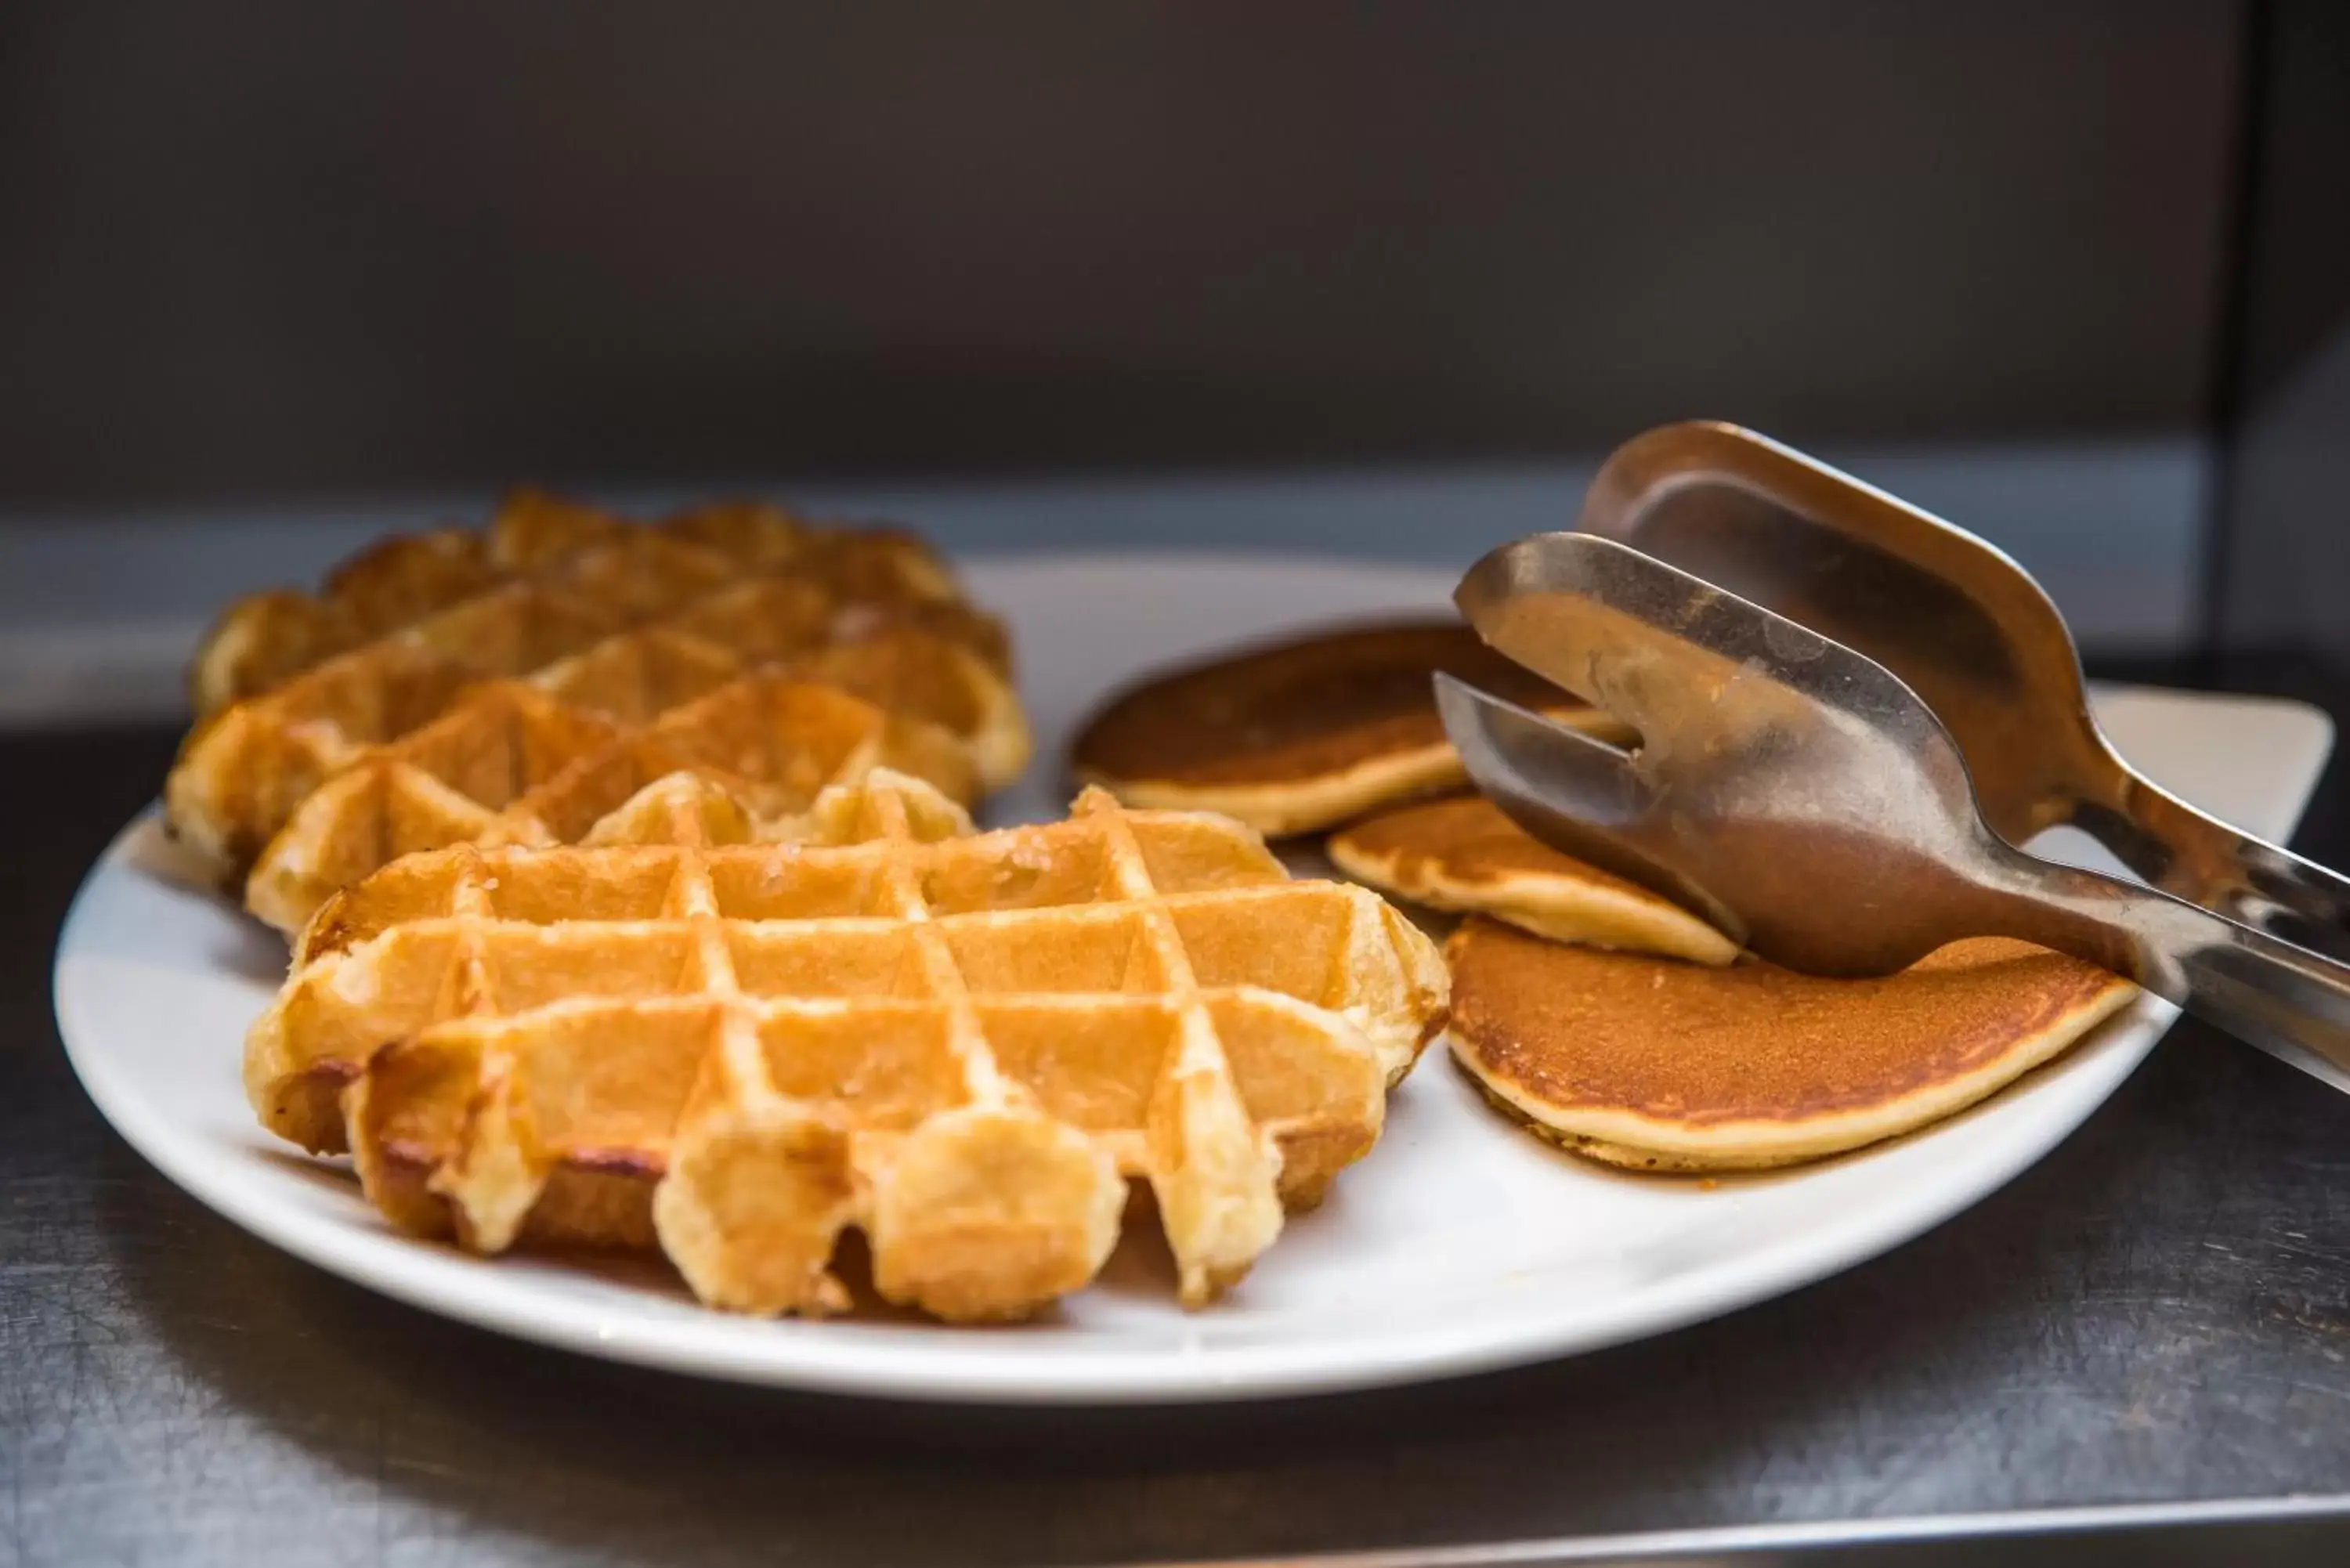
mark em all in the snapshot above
pixel 456 684
pixel 265 640
pixel 774 741
pixel 1659 1064
pixel 1463 855
pixel 963 1045
pixel 1298 736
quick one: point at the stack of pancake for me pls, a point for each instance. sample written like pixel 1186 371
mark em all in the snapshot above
pixel 1599 1014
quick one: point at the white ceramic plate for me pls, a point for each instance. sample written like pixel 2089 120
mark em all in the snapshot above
pixel 1460 1244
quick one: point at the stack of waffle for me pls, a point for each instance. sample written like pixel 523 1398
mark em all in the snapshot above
pixel 513 686
pixel 639 904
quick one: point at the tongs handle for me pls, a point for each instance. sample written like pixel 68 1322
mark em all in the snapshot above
pixel 2236 976
pixel 2203 860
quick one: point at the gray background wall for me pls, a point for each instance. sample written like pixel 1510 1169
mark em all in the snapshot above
pixel 2284 575
pixel 1175 264
pixel 280 249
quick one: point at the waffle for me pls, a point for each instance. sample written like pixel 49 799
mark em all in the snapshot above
pixel 964 1046
pixel 265 640
pixel 439 679
pixel 773 742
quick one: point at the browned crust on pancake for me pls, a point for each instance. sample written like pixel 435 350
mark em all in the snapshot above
pixel 1466 854
pixel 1304 805
pixel 1466 838
pixel 1345 716
pixel 1622 1155
pixel 1647 1061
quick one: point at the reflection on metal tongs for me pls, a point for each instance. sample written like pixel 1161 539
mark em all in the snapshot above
pixel 1802 797
pixel 1969 631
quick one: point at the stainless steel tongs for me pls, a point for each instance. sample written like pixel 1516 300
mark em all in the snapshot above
pixel 1802 797
pixel 1969 631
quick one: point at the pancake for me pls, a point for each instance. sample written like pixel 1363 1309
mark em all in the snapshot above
pixel 1660 1066
pixel 1296 736
pixel 1464 855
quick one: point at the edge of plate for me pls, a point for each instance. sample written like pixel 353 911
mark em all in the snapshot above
pixel 805 1356
pixel 469 1290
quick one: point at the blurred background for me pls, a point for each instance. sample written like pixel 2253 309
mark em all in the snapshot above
pixel 1383 279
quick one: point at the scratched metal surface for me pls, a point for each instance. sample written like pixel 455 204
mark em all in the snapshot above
pixel 2157 1312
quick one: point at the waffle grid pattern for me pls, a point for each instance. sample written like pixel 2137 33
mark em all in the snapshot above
pixel 452 686
pixel 773 740
pixel 962 1046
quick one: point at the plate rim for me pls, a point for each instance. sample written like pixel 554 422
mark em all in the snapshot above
pixel 438 1279
pixel 876 1363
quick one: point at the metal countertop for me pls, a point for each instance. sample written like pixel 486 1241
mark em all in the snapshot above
pixel 2158 1312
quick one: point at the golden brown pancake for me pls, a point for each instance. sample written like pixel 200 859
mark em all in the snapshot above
pixel 1661 1065
pixel 1465 855
pixel 1296 736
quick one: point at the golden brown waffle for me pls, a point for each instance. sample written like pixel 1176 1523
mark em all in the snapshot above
pixel 264 640
pixel 771 742
pixel 964 1046
pixel 450 682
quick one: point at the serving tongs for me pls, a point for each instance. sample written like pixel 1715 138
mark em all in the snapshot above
pixel 1970 632
pixel 1803 798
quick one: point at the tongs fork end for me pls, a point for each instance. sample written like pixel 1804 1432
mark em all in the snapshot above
pixel 1567 788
